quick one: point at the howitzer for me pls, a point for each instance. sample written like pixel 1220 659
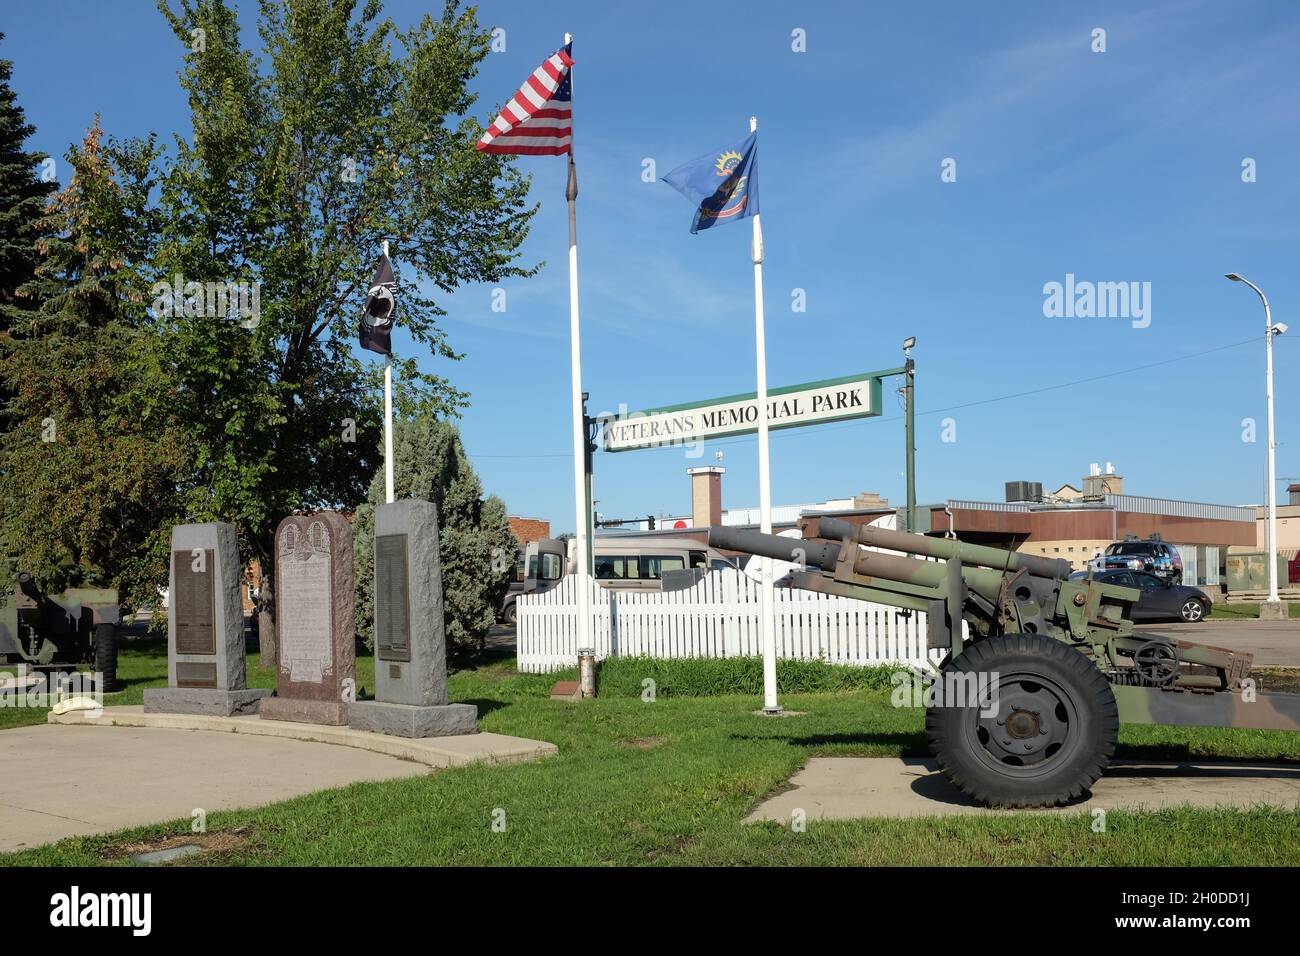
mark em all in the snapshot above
pixel 60 631
pixel 1053 664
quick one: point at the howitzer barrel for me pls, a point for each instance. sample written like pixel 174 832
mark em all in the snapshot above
pixel 838 530
pixel 795 550
pixel 28 588
pixel 882 567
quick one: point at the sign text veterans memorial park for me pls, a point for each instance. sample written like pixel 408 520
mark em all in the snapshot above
pixel 836 399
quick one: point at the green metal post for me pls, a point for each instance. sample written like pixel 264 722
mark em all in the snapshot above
pixel 589 428
pixel 909 398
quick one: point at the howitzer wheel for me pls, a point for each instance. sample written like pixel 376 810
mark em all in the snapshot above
pixel 1039 734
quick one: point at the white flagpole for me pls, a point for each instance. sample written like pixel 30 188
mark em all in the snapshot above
pixel 581 572
pixel 766 624
pixel 388 416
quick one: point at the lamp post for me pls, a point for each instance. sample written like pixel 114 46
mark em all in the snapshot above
pixel 1271 609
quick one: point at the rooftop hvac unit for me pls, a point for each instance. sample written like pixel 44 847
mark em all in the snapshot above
pixel 1024 491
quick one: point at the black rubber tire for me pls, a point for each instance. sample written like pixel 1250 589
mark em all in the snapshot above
pixel 1189 615
pixel 1065 775
pixel 106 656
pixel 511 615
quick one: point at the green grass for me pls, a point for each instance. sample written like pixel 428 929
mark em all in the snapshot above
pixel 669 782
pixel 1247 610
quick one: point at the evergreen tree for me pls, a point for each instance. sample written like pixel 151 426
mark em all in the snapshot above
pixel 90 473
pixel 24 191
pixel 476 544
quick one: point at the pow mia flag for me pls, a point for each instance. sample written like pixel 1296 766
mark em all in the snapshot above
pixel 377 316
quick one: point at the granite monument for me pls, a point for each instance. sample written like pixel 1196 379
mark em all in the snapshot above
pixel 410 639
pixel 314 627
pixel 205 628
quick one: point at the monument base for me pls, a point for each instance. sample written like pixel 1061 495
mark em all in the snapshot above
pixel 208 701
pixel 408 720
pixel 305 711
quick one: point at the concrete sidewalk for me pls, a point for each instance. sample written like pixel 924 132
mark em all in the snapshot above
pixel 430 751
pixel 75 776
pixel 843 788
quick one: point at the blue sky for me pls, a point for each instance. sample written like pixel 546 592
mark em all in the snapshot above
pixel 1122 166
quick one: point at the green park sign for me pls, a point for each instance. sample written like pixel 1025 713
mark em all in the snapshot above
pixel 813 403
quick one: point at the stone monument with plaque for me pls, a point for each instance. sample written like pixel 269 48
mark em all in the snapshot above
pixel 205 628
pixel 314 628
pixel 410 639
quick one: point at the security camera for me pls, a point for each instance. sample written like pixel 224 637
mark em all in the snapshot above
pixel 1280 328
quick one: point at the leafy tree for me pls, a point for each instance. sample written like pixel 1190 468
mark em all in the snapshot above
pixel 91 471
pixel 476 544
pixel 346 132
pixel 23 194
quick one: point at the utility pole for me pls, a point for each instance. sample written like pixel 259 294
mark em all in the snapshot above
pixel 590 427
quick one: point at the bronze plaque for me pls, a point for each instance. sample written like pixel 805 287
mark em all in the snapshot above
pixel 189 674
pixel 392 599
pixel 193 604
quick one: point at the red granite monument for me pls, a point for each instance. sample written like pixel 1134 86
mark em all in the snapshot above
pixel 314 627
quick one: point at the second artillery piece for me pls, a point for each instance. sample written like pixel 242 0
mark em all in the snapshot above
pixel 54 633
pixel 1026 707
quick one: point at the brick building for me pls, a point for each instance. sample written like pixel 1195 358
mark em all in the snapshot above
pixel 529 529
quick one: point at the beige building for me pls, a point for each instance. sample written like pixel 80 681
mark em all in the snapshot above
pixel 1288 523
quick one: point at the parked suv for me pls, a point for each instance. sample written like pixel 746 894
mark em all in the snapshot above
pixel 1152 556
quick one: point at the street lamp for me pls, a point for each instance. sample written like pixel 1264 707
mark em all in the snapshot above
pixel 1272 608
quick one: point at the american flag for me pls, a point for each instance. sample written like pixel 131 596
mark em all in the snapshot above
pixel 538 120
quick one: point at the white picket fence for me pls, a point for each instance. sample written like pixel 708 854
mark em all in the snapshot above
pixel 718 617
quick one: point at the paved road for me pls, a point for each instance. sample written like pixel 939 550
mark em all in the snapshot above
pixel 62 781
pixel 501 638
pixel 1274 643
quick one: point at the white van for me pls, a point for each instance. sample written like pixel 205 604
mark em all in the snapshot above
pixel 622 563
pixel 637 562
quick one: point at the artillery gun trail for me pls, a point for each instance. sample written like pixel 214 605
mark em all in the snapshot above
pixel 1056 663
